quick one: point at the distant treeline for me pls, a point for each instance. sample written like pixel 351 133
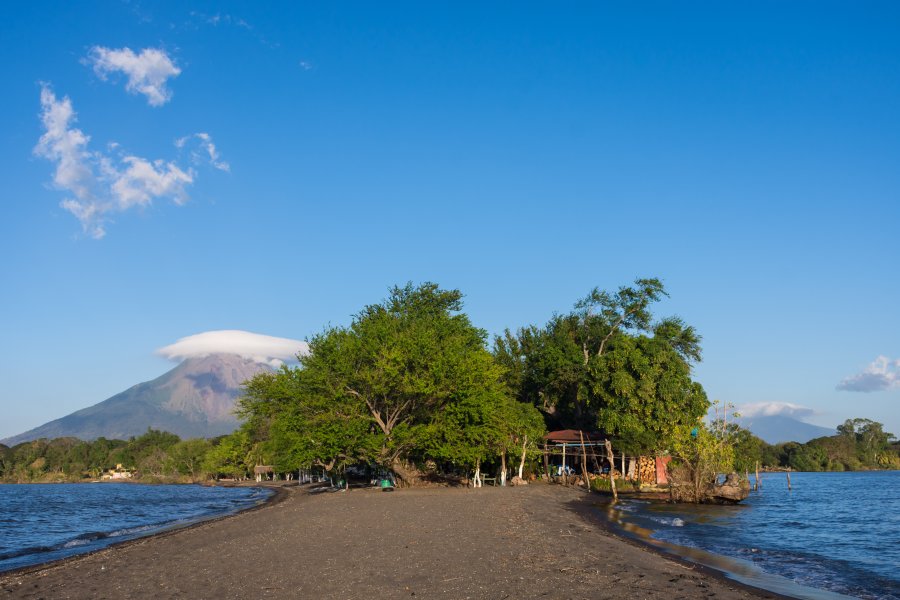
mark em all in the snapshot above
pixel 155 455
pixel 860 444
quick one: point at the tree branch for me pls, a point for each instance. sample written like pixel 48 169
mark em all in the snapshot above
pixel 614 328
pixel 376 414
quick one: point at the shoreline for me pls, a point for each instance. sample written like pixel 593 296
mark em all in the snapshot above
pixel 589 510
pixel 279 494
pixel 452 543
pixel 726 569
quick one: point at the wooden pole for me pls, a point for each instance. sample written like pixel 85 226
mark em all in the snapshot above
pixel 789 478
pixel 547 465
pixel 564 473
pixel 612 468
pixel 758 484
pixel 584 471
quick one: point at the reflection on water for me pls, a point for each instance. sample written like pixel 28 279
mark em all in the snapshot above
pixel 822 540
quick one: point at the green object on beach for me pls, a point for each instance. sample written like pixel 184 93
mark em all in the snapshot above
pixel 386 483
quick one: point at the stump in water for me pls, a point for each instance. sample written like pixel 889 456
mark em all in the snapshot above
pixel 732 491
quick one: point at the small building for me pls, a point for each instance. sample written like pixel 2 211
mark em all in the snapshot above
pixel 263 472
pixel 565 450
pixel 119 472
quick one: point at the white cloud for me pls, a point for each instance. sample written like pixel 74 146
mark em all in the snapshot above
pixel 882 374
pixel 141 181
pixel 254 346
pixel 66 146
pixel 147 72
pixel 101 184
pixel 209 154
pixel 769 409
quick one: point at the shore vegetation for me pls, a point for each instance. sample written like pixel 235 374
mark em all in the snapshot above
pixel 411 388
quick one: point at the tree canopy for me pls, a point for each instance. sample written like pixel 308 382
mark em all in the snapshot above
pixel 609 365
pixel 409 378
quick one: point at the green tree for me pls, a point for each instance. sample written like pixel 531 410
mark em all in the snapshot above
pixel 702 453
pixel 187 457
pixel 644 393
pixel 607 364
pixel 370 391
pixel 229 456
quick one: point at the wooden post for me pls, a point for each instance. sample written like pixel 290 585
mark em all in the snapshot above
pixel 564 474
pixel 758 484
pixel 623 465
pixel 612 468
pixel 547 465
pixel 789 478
pixel 584 471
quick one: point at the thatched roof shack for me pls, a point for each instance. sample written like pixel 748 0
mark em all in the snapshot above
pixel 574 436
pixel 566 449
pixel 263 472
pixel 563 450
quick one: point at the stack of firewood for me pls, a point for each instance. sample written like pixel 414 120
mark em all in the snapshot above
pixel 647 470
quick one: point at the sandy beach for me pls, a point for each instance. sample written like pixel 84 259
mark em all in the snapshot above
pixel 537 541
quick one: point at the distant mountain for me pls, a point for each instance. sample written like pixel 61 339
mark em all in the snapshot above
pixel 195 399
pixel 775 429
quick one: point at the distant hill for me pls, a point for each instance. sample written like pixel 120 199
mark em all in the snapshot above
pixel 195 399
pixel 775 429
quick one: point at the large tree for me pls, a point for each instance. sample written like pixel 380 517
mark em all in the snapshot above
pixel 370 391
pixel 609 364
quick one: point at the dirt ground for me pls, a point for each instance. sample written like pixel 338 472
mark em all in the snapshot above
pixel 536 541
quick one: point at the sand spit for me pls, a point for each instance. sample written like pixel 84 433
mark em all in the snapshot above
pixel 529 542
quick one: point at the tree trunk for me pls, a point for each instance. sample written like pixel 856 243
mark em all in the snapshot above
pixel 476 480
pixel 522 461
pixel 409 475
pixel 612 468
pixel 584 471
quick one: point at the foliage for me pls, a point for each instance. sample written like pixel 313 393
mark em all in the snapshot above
pixel 701 454
pixel 187 457
pixel 230 455
pixel 859 444
pixel 410 379
pixel 644 393
pixel 607 364
pixel 155 454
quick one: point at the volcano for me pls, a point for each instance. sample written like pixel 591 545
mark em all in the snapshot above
pixel 195 399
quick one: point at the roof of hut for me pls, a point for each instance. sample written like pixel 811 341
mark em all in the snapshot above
pixel 573 435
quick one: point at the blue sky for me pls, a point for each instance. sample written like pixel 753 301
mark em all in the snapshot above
pixel 523 153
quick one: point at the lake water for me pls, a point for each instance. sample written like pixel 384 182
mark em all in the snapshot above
pixel 833 535
pixel 40 523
